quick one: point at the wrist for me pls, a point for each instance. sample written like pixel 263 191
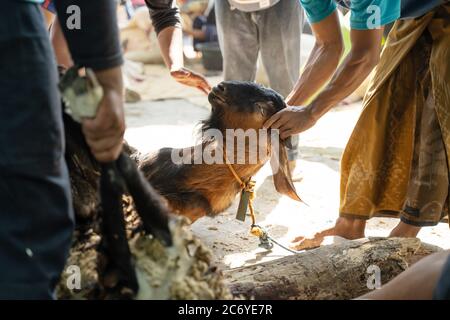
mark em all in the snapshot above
pixel 176 67
pixel 314 112
pixel 110 79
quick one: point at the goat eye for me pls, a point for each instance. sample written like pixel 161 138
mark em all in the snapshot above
pixel 261 108
pixel 263 111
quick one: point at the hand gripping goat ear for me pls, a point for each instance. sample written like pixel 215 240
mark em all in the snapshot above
pixel 287 142
pixel 282 177
pixel 81 96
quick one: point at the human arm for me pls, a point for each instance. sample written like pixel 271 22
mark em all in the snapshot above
pixel 323 64
pixel 416 283
pixel 366 34
pixel 96 45
pixel 167 23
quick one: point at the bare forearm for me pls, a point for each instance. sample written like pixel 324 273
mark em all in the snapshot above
pixel 171 44
pixel 348 77
pixel 321 65
pixel 111 79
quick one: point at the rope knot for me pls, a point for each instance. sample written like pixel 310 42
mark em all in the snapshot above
pixel 249 186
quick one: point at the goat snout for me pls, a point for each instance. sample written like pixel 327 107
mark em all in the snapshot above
pixel 218 95
pixel 221 87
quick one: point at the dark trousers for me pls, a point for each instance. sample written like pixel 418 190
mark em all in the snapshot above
pixel 36 218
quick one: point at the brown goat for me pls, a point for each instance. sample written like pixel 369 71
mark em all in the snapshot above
pixel 194 188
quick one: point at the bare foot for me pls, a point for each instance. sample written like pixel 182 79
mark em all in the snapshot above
pixel 303 243
pixel 403 230
pixel 347 228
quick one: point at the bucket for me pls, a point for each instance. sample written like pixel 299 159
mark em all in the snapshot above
pixel 211 56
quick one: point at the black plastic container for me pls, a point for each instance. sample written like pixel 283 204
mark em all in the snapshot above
pixel 211 56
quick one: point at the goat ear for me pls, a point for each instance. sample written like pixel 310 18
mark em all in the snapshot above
pixel 262 107
pixel 282 178
pixel 287 143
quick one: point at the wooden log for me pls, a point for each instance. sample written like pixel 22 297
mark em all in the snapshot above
pixel 338 271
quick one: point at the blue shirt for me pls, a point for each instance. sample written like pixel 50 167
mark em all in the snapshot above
pixel 365 14
pixel 369 14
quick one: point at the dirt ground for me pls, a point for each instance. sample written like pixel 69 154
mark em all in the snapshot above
pixel 167 117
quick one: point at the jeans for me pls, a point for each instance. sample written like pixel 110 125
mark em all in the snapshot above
pixel 442 290
pixel 36 217
pixel 274 33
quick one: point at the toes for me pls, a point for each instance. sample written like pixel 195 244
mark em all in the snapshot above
pixel 306 244
pixel 298 239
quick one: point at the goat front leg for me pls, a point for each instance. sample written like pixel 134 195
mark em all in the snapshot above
pixel 112 188
pixel 149 204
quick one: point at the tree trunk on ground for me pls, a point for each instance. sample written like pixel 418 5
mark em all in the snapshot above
pixel 338 271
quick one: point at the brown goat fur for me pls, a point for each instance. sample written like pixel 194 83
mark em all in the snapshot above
pixel 195 188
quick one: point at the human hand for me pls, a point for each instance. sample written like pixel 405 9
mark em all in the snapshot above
pixel 104 133
pixel 291 120
pixel 191 78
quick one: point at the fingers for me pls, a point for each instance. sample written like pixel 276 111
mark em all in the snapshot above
pixel 282 123
pixel 196 80
pixel 206 87
pixel 180 74
pixel 192 79
pixel 106 124
pixel 203 89
pixel 109 155
pixel 104 133
pixel 106 149
pixel 99 128
pixel 106 143
pixel 286 133
pixel 270 123
pixel 202 81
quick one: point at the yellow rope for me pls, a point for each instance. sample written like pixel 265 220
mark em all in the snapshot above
pixel 255 230
pixel 249 187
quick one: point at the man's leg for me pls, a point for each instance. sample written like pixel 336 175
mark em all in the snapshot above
pixel 280 28
pixel 405 230
pixel 238 39
pixel 427 183
pixel 36 219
